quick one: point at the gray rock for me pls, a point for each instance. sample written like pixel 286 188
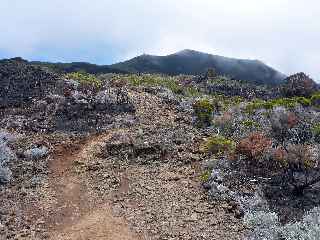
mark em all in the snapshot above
pixel 105 97
pixel 6 154
pixel 167 95
pixel 216 176
pixel 72 83
pixel 5 175
pixel 219 192
pixel 209 164
pixel 6 136
pixel 36 153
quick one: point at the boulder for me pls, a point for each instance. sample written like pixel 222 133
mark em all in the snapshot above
pixel 5 175
pixel 36 153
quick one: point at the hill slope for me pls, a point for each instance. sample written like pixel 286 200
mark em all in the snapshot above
pixel 78 66
pixel 193 62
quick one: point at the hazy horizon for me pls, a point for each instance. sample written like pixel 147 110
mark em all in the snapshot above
pixel 283 34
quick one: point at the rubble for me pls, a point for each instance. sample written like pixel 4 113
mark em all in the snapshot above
pixel 22 82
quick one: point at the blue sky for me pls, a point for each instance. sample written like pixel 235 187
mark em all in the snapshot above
pixel 282 33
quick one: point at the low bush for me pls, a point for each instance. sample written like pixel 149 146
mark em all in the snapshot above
pixel 254 146
pixel 305 102
pixel 155 81
pixel 6 154
pixel 253 106
pixel 316 132
pixel 266 226
pixel 299 85
pixel 288 103
pixel 295 150
pixel 205 176
pixel 226 124
pixel 191 92
pixel 217 145
pixel 315 99
pixel 250 124
pixel 203 110
pixel 86 80
pixel 282 121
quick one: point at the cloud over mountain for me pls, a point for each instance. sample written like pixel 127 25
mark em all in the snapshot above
pixel 284 34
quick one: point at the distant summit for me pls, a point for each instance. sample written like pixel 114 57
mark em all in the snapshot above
pixel 187 61
pixel 193 62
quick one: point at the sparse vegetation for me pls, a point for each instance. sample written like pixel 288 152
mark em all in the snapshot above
pixel 315 99
pixel 266 225
pixel 205 176
pixel 250 124
pixel 217 145
pixel 203 110
pixel 254 146
pixel 247 139
pixel 87 81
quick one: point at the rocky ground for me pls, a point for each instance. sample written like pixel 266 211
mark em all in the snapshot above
pixel 136 177
pixel 154 157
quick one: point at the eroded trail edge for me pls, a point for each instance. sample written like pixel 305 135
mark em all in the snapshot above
pixel 75 214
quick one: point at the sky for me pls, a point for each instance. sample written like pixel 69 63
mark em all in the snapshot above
pixel 284 34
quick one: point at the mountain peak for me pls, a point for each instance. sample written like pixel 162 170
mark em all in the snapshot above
pixel 193 62
pixel 187 52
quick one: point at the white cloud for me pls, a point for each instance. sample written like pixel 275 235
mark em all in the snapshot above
pixel 282 33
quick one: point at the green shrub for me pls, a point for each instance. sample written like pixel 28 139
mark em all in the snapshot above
pixel 85 79
pixel 255 105
pixel 315 99
pixel 237 100
pixel 203 110
pixel 217 145
pixel 268 105
pixel 304 101
pixel 285 102
pixel 155 81
pixel 205 176
pixel 135 80
pixel 250 124
pixel 191 92
pixel 173 86
pixel 316 129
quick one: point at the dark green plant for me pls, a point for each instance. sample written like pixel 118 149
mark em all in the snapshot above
pixel 203 110
pixel 155 81
pixel 306 102
pixel 315 99
pixel 316 132
pixel 217 145
pixel 255 105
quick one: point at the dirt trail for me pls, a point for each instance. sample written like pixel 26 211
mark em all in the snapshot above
pixel 75 214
